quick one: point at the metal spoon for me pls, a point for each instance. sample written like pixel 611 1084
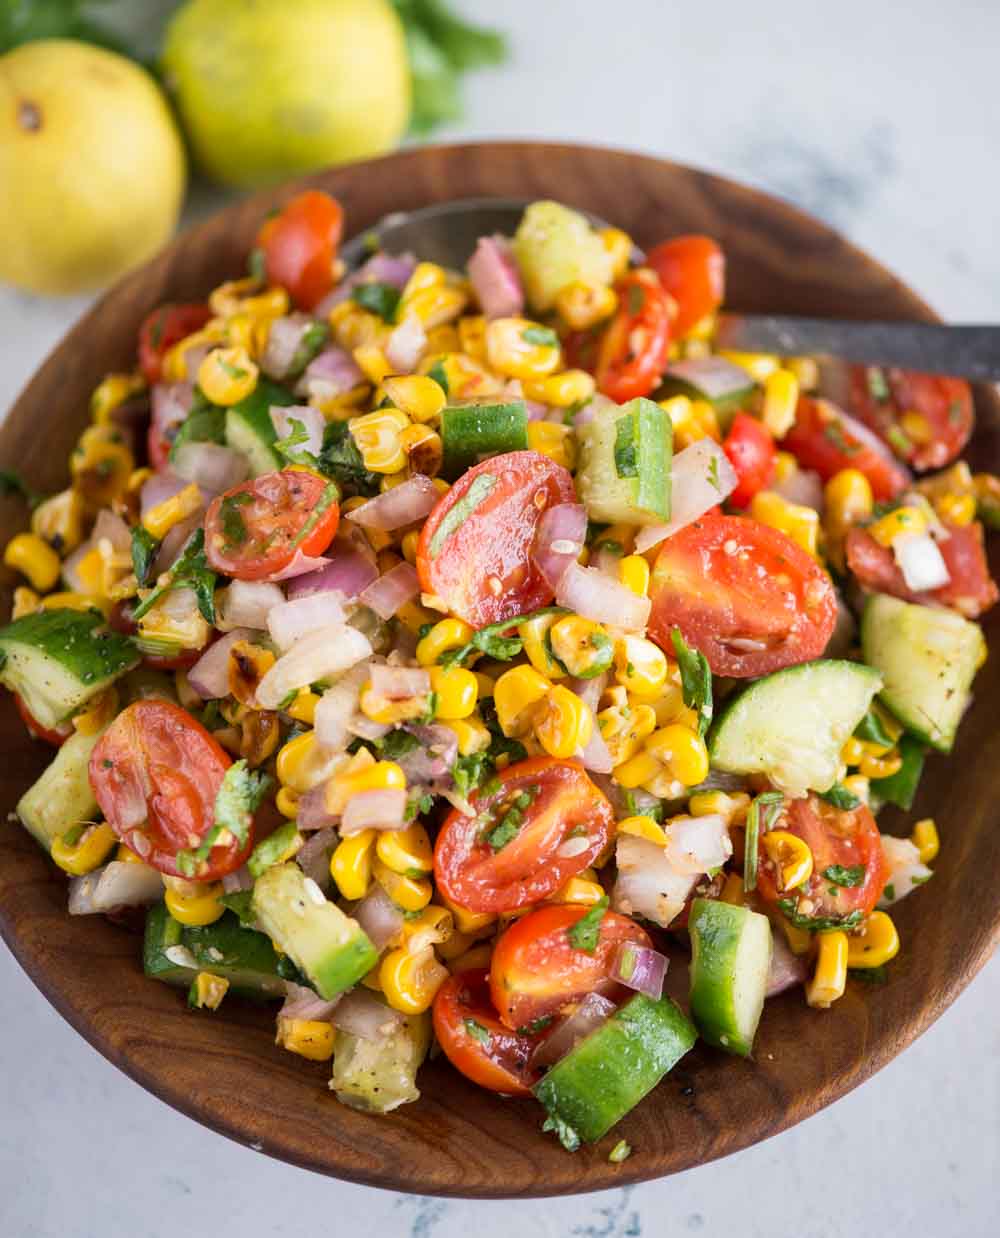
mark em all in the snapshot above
pixel 447 233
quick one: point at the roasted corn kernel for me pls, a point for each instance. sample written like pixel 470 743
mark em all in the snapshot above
pixel 202 906
pixel 553 440
pixel 536 635
pixel 407 851
pixel 518 348
pixel 410 893
pixel 416 395
pixel 59 520
pixel 34 558
pixel 830 977
pixel 309 1038
pixel 564 724
pixel 444 636
pixel 640 666
pixel 377 436
pixel 159 520
pixel 351 864
pixel 585 305
pixel 624 729
pixel 876 943
pixel 925 839
pixel 790 855
pixel 82 848
pixel 517 695
pixel 410 980
pixel 227 375
pixel 781 398
pixel 582 646
pixel 643 827
pixel 902 521
pixel 799 522
pixel 561 390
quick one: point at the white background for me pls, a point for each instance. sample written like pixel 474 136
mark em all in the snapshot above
pixel 881 118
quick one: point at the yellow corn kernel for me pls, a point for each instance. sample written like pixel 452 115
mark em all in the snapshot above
pixel 472 336
pixel 691 420
pixel 849 498
pixel 26 602
pixel 517 695
pixel 303 708
pixel 916 427
pixel 236 296
pixel 377 436
pixel 624 729
pixel 799 522
pixel 35 559
pixel 564 723
pixel 207 991
pixel 781 398
pixel 409 545
pixel 536 634
pixel 471 733
pixel 407 851
pixel 640 666
pixel 618 245
pixel 125 855
pixel 98 712
pixel 351 864
pixel 424 450
pixel 553 440
pixel 410 981
pixel 643 827
pixel 410 893
pixel 352 326
pixel 287 802
pixel 561 390
pixel 732 808
pixel 367 775
pixel 805 370
pixel 227 375
pixel 785 466
pixel 633 571
pixel 371 981
pixel 435 307
pixel 925 839
pixel 137 479
pixel 59 520
pixel 800 941
pixel 852 751
pixel 390 712
pixel 161 518
pixel 82 848
pixel 413 616
pixel 372 362
pixel 455 946
pixel 583 647
pixel 860 786
pixel 434 926
pixel 881 767
pixel 100 466
pixel 876 943
pixel 791 856
pixel 302 764
pixel 202 906
pixel 830 977
pixel 957 509
pixel 470 922
pixel 416 395
pixel 579 890
pixel 682 750
pixel 758 365
pixel 637 770
pixel 112 392
pixel 476 959
pixel 732 890
pixel 76 601
pixel 904 520
pixel 519 348
pixel 309 1038
pixel 444 636
pixel 584 305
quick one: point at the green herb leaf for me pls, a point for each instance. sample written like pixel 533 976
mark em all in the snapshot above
pixel 873 976
pixel 329 496
pixel 477 494
pixel 381 299
pixel 257 264
pixel 870 728
pixel 440 376
pixel 144 548
pixel 239 902
pixel 535 1026
pixel 848 877
pixel 190 571
pixel 696 679
pixel 543 336
pixel 772 803
pixel 585 933
pixel 11 482
pixel 396 744
pixel 840 797
pixel 713 473
pixel 291 446
pixel 819 924
pixel 833 431
pixel 877 385
pixel 313 338
pixel 478 1032
pixel 234 529
pixel 491 641
pixel 471 771
pixel 341 460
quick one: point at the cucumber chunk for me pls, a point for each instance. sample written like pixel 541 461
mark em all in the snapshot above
pixel 900 788
pixel 555 246
pixel 249 427
pixel 625 457
pixel 61 798
pixel 730 959
pixel 58 659
pixel 472 432
pixel 613 1068
pixel 175 953
pixel 927 658
pixel 330 948
pixel 792 725
pixel 380 1075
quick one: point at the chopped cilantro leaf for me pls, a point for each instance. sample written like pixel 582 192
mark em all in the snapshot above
pixel 144 548
pixel 568 1137
pixel 772 803
pixel 543 336
pixel 477 1031
pixel 840 797
pixel 849 877
pixel 190 571
pixel 291 445
pixel 818 924
pixel 585 933
pixel 396 744
pixel 381 299
pixel 696 679
pixel 491 641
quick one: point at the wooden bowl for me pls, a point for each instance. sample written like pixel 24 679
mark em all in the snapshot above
pixel 223 1069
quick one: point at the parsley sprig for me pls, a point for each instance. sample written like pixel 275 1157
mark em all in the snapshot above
pixel 492 641
pixel 191 571
pixel 585 933
pixel 696 679
pixel 238 797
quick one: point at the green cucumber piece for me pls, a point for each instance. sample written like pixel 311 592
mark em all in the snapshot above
pixel 249 427
pixel 62 797
pixel 625 457
pixel 202 425
pixel 730 959
pixel 555 246
pixel 240 955
pixel 612 1069
pixel 380 1075
pixel 331 949
pixel 58 659
pixel 727 387
pixel 901 787
pixel 927 657
pixel 471 432
pixel 792 725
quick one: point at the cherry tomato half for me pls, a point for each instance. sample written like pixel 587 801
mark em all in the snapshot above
pixel 632 352
pixel 162 329
pixel 55 736
pixel 300 245
pixel 476 1042
pixel 847 839
pixel 744 594
pixel 494 862
pixel 823 439
pixel 750 448
pixel 924 418
pixel 693 270
pixel 475 546
pixel 254 530
pixel 536 969
pixel 155 774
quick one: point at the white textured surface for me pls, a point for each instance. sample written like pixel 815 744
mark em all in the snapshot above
pixel 883 122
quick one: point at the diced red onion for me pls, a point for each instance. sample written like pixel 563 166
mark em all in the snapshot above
pixel 921 562
pixel 213 467
pixel 595 754
pixel 802 486
pixel 246 604
pixel 495 278
pixel 122 883
pixel 435 757
pixel 389 592
pixel 361 1014
pixel 109 526
pixel 593 1011
pixel 380 269
pixel 537 411
pixel 288 622
pixel 313 857
pixel 405 346
pixel 311 811
pixel 158 488
pixel 310 419
pixel 170 404
pixel 559 539
pixel 373 810
pixel 701 477
pixel 301 1002
pixel 697 844
pixel 402 505
pixel 647 885
pixel 397 683
pixel 327 651
pixel 331 373
pixel 379 916
pixel 210 674
pixel 283 339
pixel 640 968
pixel 786 969
pixel 714 376
pixel 595 596
pixel 337 706
pixel 239 879
pixel 192 359
pixel 174 542
pixel 300 565
pixel 367 729
pixel 348 573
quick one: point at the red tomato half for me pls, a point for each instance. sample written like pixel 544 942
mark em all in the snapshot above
pixel 632 352
pixel 836 837
pixel 476 1042
pixel 744 594
pixel 300 246
pixel 475 546
pixel 536 970
pixel 155 773
pixel 162 329
pixel 970 591
pixel 254 530
pixel 693 270
pixel 56 736
pixel 824 440
pixel 750 449
pixel 527 866
pixel 943 406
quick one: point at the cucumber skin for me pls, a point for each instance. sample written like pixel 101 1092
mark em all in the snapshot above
pixel 717 930
pixel 249 427
pixel 499 428
pixel 62 796
pixel 901 788
pixel 249 961
pixel 612 1069
pixel 643 499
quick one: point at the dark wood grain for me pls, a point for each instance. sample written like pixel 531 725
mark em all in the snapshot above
pixel 224 1069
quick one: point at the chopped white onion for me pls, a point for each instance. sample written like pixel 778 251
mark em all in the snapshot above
pixel 595 596
pixel 360 1013
pixel 906 871
pixel 921 562
pixel 327 651
pixel 398 683
pixel 405 345
pixel 337 707
pixel 122 883
pixel 283 339
pixel 388 593
pixel 246 604
pixel 701 477
pixel 311 420
pixel 212 466
pixel 648 885
pixel 288 622
pixel 402 505
pixel 210 674
pixel 373 810
pixel 697 844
